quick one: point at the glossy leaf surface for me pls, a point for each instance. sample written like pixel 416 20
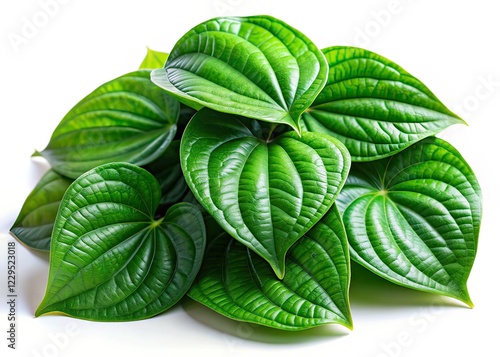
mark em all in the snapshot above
pixel 127 119
pixel 258 67
pixel 110 260
pixel 34 224
pixel 237 283
pixel 266 192
pixel 374 106
pixel 414 218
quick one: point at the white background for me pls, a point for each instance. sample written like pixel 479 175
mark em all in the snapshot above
pixel 69 50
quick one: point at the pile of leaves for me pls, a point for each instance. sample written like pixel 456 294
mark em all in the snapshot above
pixel 246 169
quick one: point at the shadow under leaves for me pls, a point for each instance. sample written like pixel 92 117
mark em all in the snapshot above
pixel 369 289
pixel 259 333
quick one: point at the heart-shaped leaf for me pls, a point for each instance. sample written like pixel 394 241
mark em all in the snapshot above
pixel 34 223
pixel 265 192
pixel 110 260
pixel 374 106
pixel 237 283
pixel 127 119
pixel 258 67
pixel 154 59
pixel 414 218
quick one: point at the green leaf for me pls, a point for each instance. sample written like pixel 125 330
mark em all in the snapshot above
pixel 154 59
pixel 237 283
pixel 258 67
pixel 34 223
pixel 414 218
pixel 374 106
pixel 167 170
pixel 127 119
pixel 110 260
pixel 185 115
pixel 266 192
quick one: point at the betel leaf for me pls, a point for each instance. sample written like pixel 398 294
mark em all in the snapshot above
pixel 110 260
pixel 264 191
pixel 154 59
pixel 374 106
pixel 34 223
pixel 127 119
pixel 256 66
pixel 414 218
pixel 167 170
pixel 237 283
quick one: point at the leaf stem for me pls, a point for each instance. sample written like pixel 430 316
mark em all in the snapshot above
pixel 271 130
pixel 156 223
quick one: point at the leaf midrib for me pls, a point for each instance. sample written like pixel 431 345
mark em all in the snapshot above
pixel 318 108
pixel 251 271
pixel 283 104
pixel 141 231
pixel 401 251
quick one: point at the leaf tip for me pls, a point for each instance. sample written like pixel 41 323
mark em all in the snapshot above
pixel 40 310
pixel 467 300
pixel 458 118
pixel 347 323
pixel 279 269
pixel 346 318
pixel 280 275
pixel 12 233
pixel 298 130
pixel 44 307
pixel 462 121
pixel 37 154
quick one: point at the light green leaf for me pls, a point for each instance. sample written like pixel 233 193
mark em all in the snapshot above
pixel 414 218
pixel 258 67
pixel 110 260
pixel 34 223
pixel 127 119
pixel 237 283
pixel 154 59
pixel 374 106
pixel 264 191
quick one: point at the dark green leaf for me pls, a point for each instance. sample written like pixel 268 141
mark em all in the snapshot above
pixel 185 115
pixel 237 283
pixel 154 59
pixel 127 119
pixel 34 224
pixel 414 218
pixel 374 106
pixel 110 260
pixel 264 191
pixel 258 67
pixel 167 170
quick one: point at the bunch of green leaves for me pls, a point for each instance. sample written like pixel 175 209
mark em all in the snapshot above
pixel 246 169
